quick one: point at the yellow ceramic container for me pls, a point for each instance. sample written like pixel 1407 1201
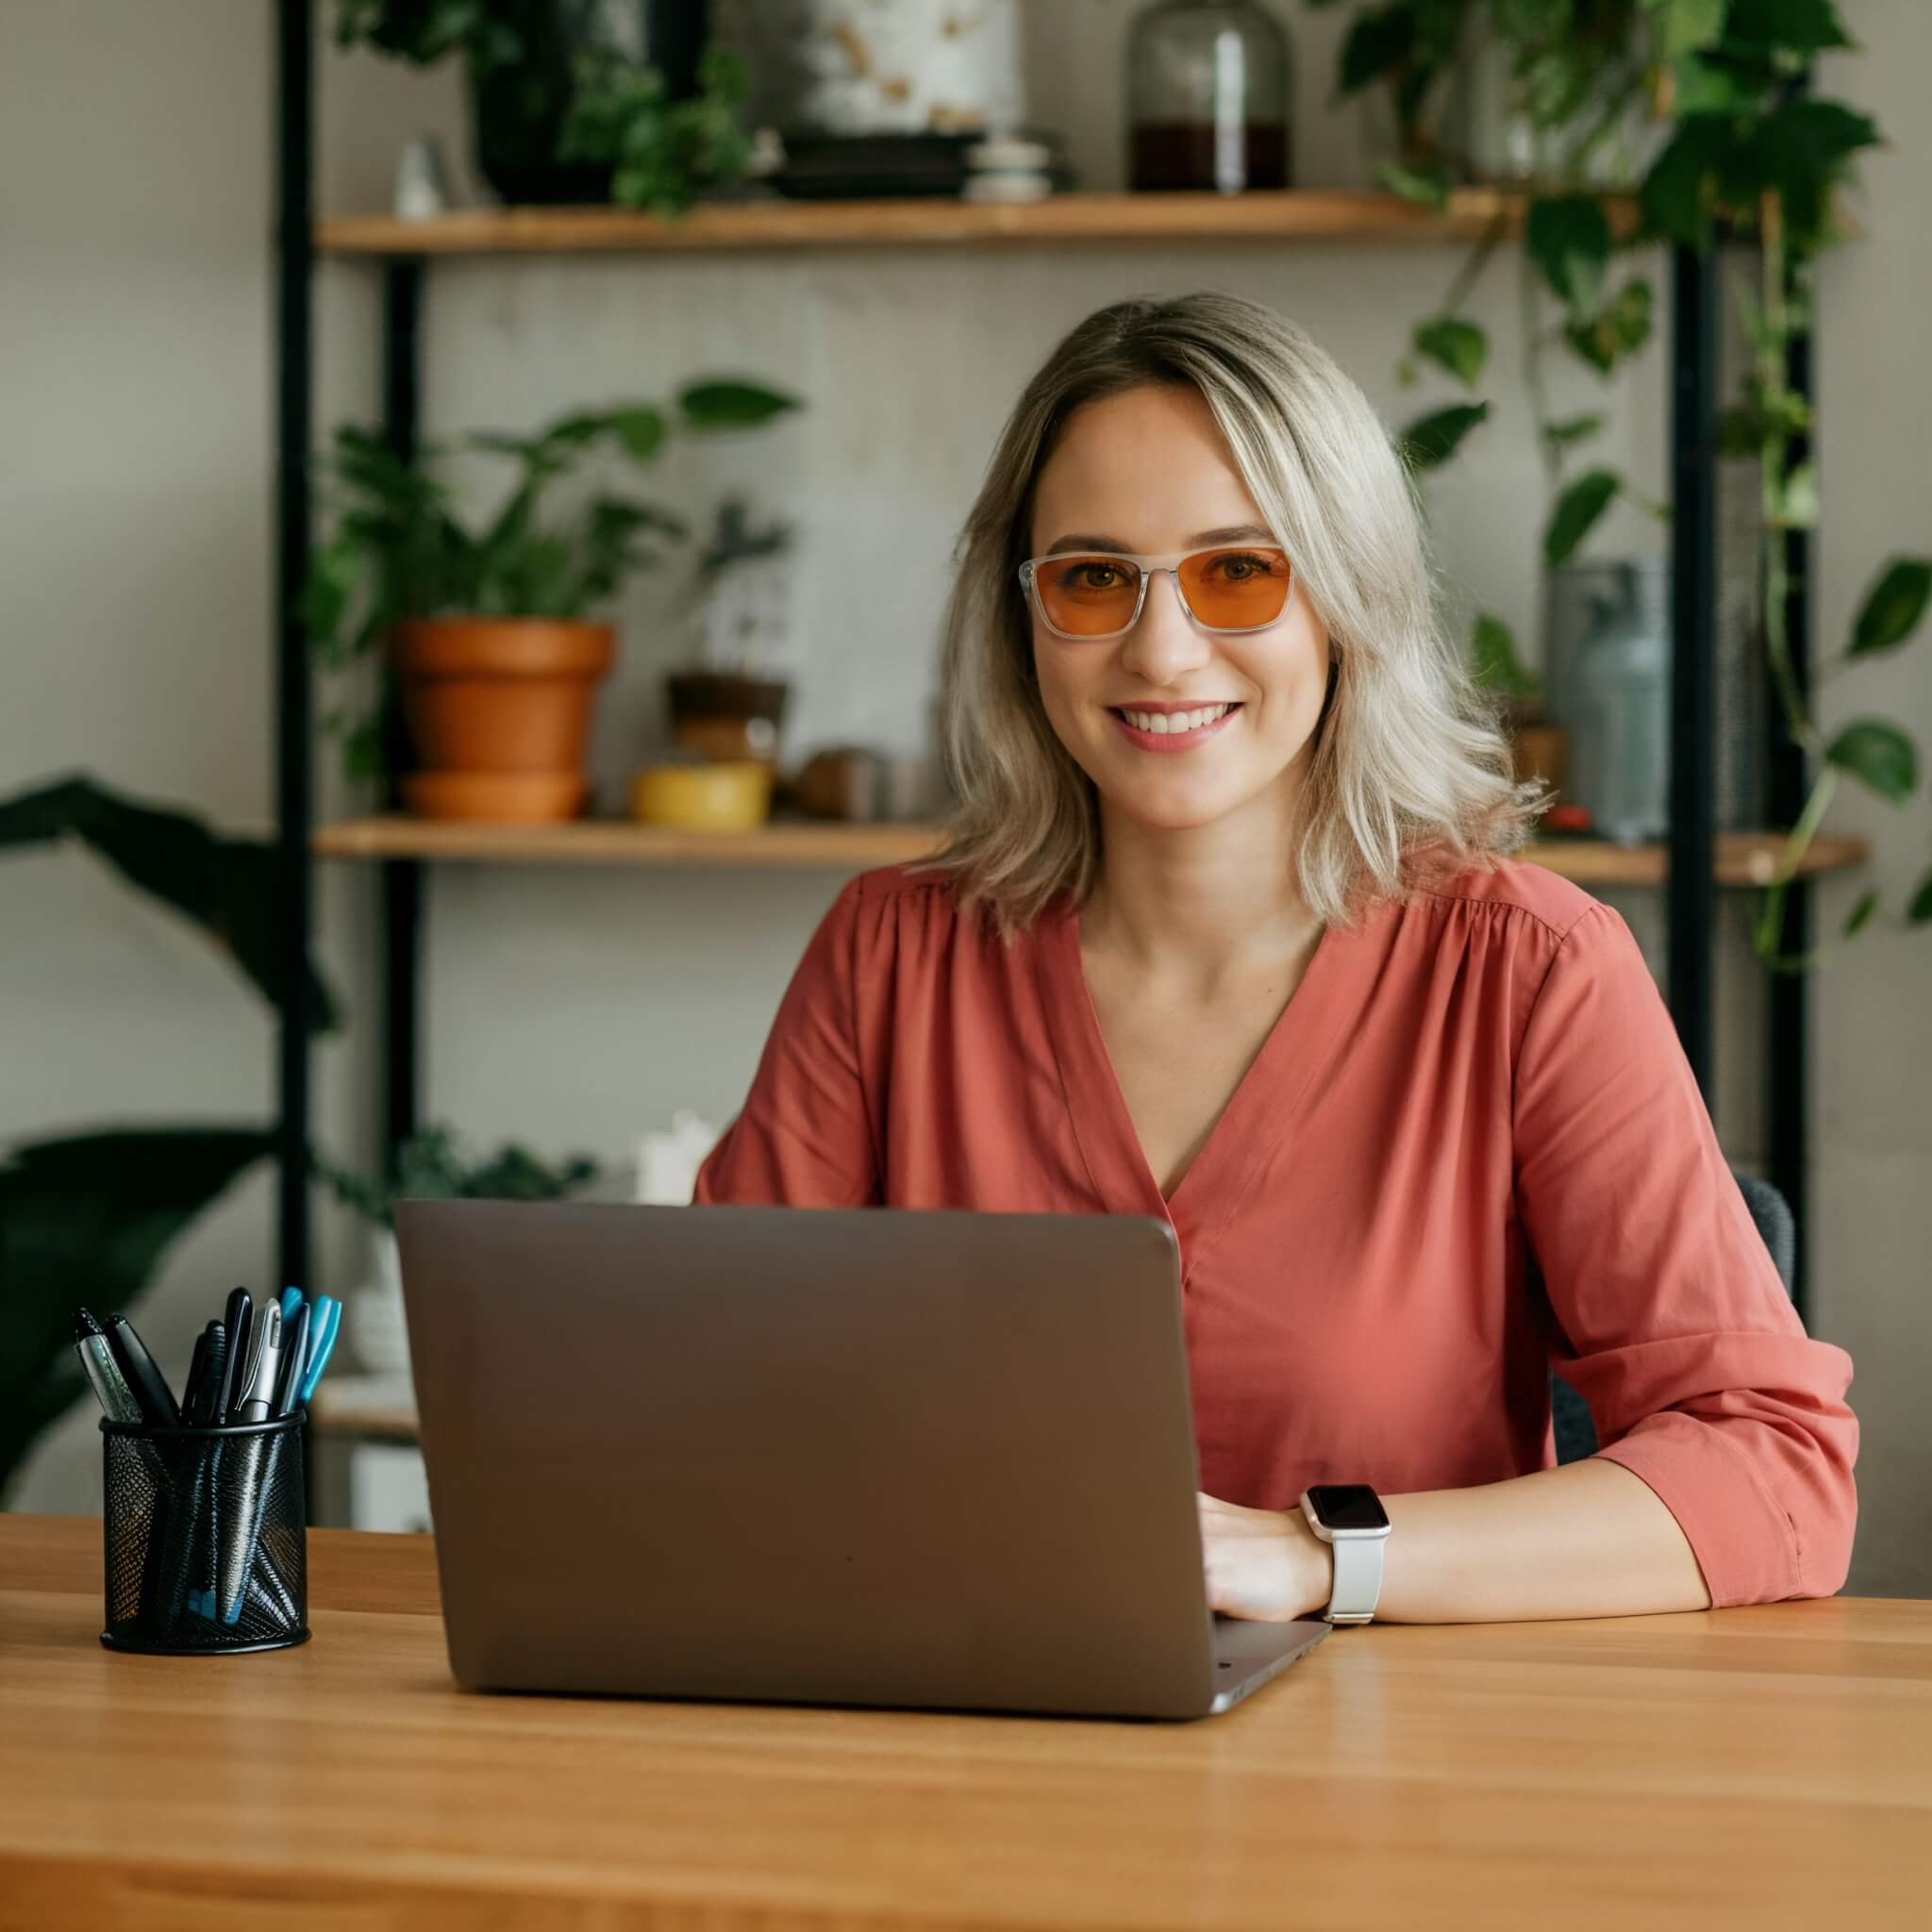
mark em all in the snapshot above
pixel 734 796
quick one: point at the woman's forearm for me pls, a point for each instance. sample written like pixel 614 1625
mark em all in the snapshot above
pixel 1586 1539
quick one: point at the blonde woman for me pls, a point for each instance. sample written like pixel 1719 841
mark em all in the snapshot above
pixel 1228 933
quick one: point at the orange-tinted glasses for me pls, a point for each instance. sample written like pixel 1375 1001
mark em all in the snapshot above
pixel 1089 596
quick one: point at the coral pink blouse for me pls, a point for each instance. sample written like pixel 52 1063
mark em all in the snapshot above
pixel 1483 1066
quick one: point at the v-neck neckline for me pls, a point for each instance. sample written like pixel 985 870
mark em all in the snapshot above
pixel 1263 1105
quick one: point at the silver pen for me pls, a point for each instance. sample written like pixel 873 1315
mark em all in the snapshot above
pixel 244 1499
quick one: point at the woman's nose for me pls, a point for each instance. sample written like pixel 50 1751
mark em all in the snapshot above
pixel 1164 644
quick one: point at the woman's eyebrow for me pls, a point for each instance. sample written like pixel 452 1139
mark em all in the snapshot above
pixel 1231 533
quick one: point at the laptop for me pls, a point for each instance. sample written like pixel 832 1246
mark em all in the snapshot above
pixel 866 1456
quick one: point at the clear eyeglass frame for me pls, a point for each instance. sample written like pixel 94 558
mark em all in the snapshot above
pixel 1149 568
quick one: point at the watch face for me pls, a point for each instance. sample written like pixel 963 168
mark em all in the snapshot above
pixel 1348 1505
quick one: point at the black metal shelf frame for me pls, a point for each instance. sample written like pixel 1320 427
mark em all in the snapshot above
pixel 1691 895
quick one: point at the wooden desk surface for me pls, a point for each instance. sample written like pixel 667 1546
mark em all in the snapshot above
pixel 1765 1767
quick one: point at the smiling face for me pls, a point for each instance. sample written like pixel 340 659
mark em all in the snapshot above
pixel 1146 473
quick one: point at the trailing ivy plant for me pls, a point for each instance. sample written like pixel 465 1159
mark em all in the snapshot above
pixel 399 548
pixel 1738 138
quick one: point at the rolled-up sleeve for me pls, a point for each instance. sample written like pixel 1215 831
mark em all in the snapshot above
pixel 1673 1324
pixel 804 1138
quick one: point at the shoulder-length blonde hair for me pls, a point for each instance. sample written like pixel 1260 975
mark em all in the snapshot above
pixel 1410 769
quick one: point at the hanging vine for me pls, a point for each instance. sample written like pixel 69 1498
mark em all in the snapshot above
pixel 1715 89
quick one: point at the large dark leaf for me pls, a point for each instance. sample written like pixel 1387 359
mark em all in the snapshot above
pixel 1569 239
pixel 1678 191
pixel 1794 26
pixel 1576 511
pixel 1893 606
pixel 1460 346
pixel 225 885
pixel 1377 43
pixel 84 1221
pixel 1431 440
pixel 731 405
pixel 1880 755
pixel 1798 150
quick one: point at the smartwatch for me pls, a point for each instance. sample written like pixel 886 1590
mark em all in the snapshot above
pixel 1350 1519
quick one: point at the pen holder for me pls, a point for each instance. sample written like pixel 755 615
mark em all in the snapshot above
pixel 205 1538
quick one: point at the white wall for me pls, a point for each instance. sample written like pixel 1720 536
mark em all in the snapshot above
pixel 1873 1062
pixel 573 1009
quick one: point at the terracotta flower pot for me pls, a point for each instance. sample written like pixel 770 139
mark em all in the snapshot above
pixel 506 698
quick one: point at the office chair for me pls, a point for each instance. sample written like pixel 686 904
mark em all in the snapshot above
pixel 1574 1431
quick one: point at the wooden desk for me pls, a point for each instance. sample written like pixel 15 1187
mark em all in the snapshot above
pixel 1766 1767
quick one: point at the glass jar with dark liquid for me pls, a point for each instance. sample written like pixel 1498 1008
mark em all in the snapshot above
pixel 1207 88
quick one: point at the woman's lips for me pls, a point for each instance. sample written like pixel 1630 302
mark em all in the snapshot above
pixel 1172 740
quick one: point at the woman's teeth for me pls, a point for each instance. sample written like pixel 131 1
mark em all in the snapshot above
pixel 1162 722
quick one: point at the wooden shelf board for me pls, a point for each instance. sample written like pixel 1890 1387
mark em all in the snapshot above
pixel 1278 215
pixel 370 1407
pixel 620 841
pixel 1743 859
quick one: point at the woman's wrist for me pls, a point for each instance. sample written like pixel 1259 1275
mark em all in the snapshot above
pixel 1314 1567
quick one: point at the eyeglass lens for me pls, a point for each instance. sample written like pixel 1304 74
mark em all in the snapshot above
pixel 1226 589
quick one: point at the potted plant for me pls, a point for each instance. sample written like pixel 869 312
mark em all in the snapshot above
pixel 489 627
pixel 88 1216
pixel 561 107
pixel 433 1165
pixel 730 702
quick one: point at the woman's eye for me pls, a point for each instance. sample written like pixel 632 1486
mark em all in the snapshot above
pixel 1241 568
pixel 1093 576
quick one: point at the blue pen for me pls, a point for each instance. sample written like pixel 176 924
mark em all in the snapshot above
pixel 325 1323
pixel 292 1300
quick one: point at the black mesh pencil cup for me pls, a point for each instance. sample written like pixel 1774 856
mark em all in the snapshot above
pixel 205 1538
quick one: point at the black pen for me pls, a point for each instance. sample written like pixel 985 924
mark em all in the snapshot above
pixel 159 1408
pixel 201 1398
pixel 238 1319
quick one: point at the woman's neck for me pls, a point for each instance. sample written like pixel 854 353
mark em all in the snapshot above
pixel 1205 904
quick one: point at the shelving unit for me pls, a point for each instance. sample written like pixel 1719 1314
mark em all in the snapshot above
pixel 1690 868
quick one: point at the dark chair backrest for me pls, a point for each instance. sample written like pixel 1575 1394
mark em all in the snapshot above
pixel 1575 1433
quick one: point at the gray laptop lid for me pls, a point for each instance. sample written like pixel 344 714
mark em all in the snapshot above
pixel 867 1457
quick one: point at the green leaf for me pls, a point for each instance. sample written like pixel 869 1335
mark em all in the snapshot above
pixel 1432 440
pixel 1429 183
pixel 1862 911
pixel 1493 659
pixel 708 406
pixel 1701 86
pixel 1880 755
pixel 84 1222
pixel 1460 346
pixel 1574 430
pixel 224 886
pixel 1793 27
pixel 1679 25
pixel 1377 43
pixel 1677 193
pixel 1621 328
pixel 641 430
pixel 1797 502
pixel 1576 511
pixel 1569 239
pixel 1797 151
pixel 1893 606
pixel 1921 911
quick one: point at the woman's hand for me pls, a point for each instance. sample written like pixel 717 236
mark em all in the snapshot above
pixel 1263 1564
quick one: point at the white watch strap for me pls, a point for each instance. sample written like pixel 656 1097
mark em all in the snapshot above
pixel 1358 1578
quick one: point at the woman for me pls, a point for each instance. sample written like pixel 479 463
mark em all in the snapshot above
pixel 1228 933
